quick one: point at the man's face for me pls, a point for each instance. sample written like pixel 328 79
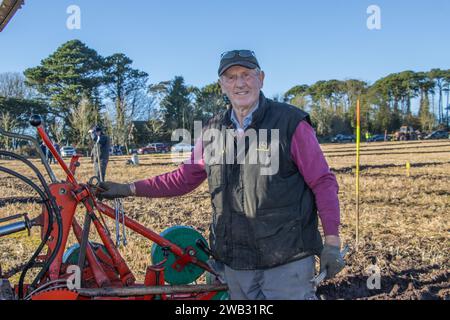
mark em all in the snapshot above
pixel 242 86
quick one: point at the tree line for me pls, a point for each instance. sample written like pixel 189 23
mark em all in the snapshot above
pixel 386 104
pixel 75 88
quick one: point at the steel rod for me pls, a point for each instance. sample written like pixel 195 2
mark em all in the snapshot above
pixel 143 291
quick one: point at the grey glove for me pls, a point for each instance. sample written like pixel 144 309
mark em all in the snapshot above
pixel 112 190
pixel 331 261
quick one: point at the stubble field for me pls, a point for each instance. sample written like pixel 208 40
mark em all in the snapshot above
pixel 404 221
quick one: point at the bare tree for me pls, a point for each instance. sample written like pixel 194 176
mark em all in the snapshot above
pixel 12 85
pixel 123 84
pixel 57 130
pixel 81 120
pixel 7 123
pixel 108 127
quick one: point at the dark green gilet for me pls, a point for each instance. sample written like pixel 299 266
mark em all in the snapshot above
pixel 261 221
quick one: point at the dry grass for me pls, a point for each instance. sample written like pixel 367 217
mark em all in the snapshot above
pixel 404 220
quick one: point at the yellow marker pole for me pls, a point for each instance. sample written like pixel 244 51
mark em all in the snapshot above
pixel 358 142
pixel 408 168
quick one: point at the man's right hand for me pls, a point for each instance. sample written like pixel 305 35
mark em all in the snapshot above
pixel 112 190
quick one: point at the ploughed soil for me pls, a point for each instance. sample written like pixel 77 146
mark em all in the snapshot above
pixel 429 282
pixel 404 217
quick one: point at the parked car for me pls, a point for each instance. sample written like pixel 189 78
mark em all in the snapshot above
pixel 182 147
pixel 155 148
pixel 68 151
pixel 439 134
pixel 379 137
pixel 342 138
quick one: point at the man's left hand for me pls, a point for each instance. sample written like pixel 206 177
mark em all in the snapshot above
pixel 331 260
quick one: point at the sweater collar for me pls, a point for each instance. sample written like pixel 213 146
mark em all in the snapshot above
pixel 256 115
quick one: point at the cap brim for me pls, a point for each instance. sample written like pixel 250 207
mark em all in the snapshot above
pixel 246 64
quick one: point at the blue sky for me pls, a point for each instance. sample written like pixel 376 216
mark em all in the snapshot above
pixel 295 41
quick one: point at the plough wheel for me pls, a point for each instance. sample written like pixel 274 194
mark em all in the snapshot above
pixel 183 237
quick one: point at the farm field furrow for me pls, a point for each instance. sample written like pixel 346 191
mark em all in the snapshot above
pixel 404 219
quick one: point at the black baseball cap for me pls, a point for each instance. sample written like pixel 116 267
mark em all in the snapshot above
pixel 245 58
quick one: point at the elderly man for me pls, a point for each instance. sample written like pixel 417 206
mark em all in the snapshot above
pixel 265 226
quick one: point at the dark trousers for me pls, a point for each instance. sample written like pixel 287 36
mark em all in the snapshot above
pixel 103 165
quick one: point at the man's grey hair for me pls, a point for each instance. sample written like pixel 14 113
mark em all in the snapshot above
pixel 258 71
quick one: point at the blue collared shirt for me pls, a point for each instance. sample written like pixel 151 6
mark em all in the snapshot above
pixel 247 120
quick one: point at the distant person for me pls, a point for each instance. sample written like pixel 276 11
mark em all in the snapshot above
pixel 57 148
pixel 100 151
pixel 51 158
pixel 44 152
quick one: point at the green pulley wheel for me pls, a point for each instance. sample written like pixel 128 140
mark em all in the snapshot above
pixel 183 237
pixel 72 253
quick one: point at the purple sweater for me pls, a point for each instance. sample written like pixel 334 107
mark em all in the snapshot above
pixel 306 153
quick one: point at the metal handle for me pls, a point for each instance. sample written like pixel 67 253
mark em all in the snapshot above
pixel 120 219
pixel 321 276
pixel 16 226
